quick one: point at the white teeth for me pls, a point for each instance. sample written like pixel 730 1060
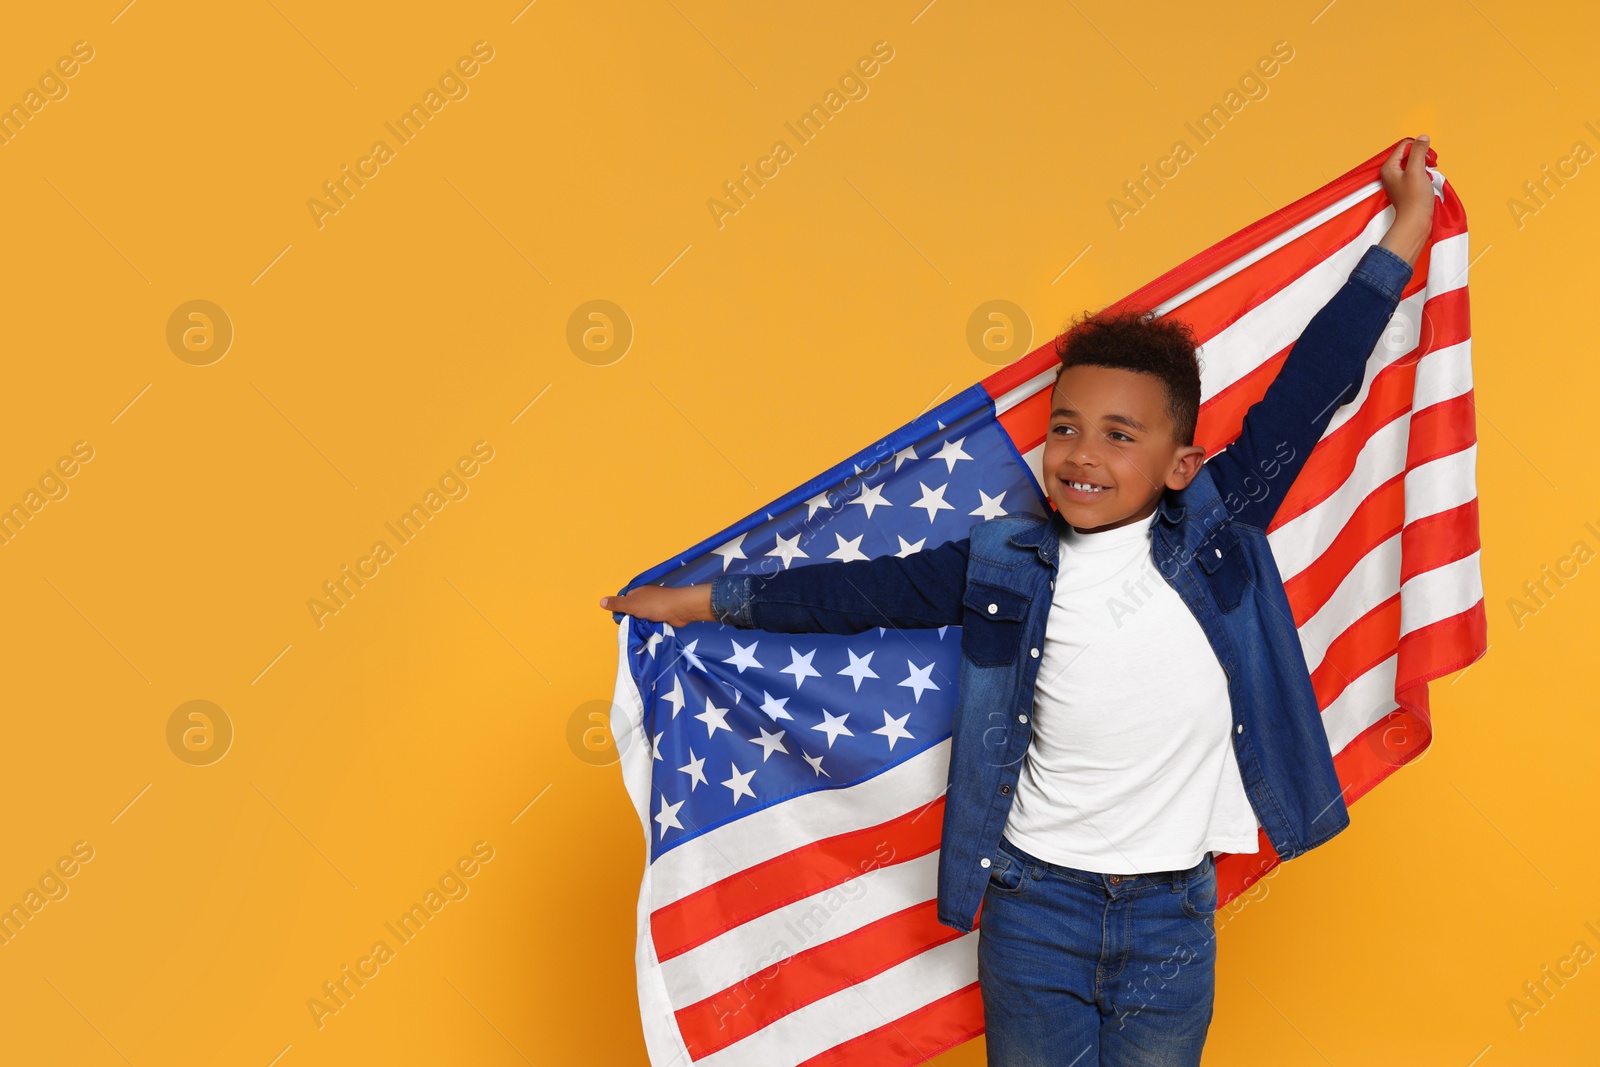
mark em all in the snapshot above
pixel 1086 487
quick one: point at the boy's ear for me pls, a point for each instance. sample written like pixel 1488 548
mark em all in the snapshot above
pixel 1186 464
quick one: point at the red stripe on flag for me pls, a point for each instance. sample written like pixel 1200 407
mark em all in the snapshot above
pixel 1376 519
pixel 1234 297
pixel 1389 396
pixel 1209 313
pixel 1333 459
pixel 799 873
pixel 1439 540
pixel 1027 420
pixel 1442 647
pixel 1199 267
pixel 1363 645
pixel 1449 220
pixel 1446 319
pixel 1434 540
pixel 1442 429
pixel 741 1009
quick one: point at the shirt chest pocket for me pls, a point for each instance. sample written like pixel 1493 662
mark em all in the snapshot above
pixel 991 624
pixel 1222 557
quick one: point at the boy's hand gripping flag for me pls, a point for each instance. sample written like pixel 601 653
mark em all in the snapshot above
pixel 790 785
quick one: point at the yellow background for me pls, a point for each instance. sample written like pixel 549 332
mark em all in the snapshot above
pixel 434 710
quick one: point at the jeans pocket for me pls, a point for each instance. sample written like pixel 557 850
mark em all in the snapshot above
pixel 1005 875
pixel 1200 891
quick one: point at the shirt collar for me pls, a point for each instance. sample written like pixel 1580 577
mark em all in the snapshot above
pixel 1044 537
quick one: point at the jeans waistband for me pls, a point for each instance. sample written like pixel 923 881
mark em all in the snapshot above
pixel 1123 881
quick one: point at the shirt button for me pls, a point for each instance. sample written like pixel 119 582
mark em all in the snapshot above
pixel 993 608
pixel 1218 552
pixel 1022 718
pixel 1239 729
pixel 1005 790
pixel 1052 583
pixel 984 862
pixel 1034 652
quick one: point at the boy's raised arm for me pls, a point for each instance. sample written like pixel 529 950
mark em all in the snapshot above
pixel 917 591
pixel 1326 366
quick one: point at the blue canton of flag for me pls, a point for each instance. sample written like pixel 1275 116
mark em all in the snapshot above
pixel 740 719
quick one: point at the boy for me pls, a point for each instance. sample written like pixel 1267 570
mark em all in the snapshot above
pixel 1099 762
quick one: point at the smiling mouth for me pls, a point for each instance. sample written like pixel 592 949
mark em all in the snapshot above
pixel 1085 488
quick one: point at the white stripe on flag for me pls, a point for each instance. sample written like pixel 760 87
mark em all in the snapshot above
pixel 1363 702
pixel 1374 579
pixel 1443 374
pixel 1262 251
pixel 1440 593
pixel 1236 350
pixel 663 1042
pixel 1301 541
pixel 1441 484
pixel 773 831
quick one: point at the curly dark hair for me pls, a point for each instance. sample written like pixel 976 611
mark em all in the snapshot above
pixel 1145 342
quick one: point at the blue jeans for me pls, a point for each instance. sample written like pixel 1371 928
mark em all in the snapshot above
pixel 1080 969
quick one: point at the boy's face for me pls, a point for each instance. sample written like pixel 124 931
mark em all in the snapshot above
pixel 1109 427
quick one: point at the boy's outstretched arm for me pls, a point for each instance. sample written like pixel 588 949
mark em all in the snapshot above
pixel 1326 366
pixel 917 591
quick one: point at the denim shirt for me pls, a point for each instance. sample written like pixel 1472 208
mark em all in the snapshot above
pixel 1208 542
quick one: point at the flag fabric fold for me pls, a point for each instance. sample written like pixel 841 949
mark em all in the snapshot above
pixel 791 786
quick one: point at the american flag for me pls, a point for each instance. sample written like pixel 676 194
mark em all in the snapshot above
pixel 791 785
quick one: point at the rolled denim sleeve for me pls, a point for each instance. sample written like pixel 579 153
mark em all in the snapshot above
pixel 1384 271
pixel 921 590
pixel 1324 370
pixel 730 600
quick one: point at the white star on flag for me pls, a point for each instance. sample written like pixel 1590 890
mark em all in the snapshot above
pixel 715 718
pixel 769 743
pixel 860 668
pixel 695 769
pixel 894 729
pixel 740 783
pixel 801 667
pixel 833 725
pixel 951 453
pixel 744 656
pixel 933 500
pixel 990 508
pixel 918 680
pixel 731 551
pixel 788 549
pixel 668 815
pixel 871 497
pixel 774 706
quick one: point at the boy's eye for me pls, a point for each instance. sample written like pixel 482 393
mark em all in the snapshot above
pixel 1062 429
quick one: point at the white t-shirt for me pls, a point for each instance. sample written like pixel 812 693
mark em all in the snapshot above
pixel 1131 768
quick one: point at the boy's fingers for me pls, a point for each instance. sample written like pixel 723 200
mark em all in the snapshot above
pixel 1393 162
pixel 1419 159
